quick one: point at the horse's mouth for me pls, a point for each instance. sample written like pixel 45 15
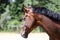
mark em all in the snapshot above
pixel 24 35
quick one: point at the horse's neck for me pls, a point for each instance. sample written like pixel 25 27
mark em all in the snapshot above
pixel 49 25
pixel 48 22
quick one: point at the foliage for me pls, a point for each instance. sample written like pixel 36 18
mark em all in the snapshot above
pixel 12 20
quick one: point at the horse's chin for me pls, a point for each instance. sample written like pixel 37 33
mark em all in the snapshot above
pixel 24 35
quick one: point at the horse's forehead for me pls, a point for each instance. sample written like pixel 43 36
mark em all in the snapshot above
pixel 29 14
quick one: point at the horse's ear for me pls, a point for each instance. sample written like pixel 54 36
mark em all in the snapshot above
pixel 26 9
pixel 29 5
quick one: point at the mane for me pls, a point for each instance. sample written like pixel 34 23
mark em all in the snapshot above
pixel 47 12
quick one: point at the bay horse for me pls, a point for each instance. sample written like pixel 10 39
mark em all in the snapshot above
pixel 41 16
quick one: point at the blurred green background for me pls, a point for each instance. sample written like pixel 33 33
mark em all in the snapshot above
pixel 11 13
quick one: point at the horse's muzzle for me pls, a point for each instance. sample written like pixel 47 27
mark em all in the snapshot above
pixel 24 35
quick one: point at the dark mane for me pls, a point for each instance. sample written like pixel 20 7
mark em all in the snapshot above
pixel 47 12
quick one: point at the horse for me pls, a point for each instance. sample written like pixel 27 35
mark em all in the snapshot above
pixel 41 16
